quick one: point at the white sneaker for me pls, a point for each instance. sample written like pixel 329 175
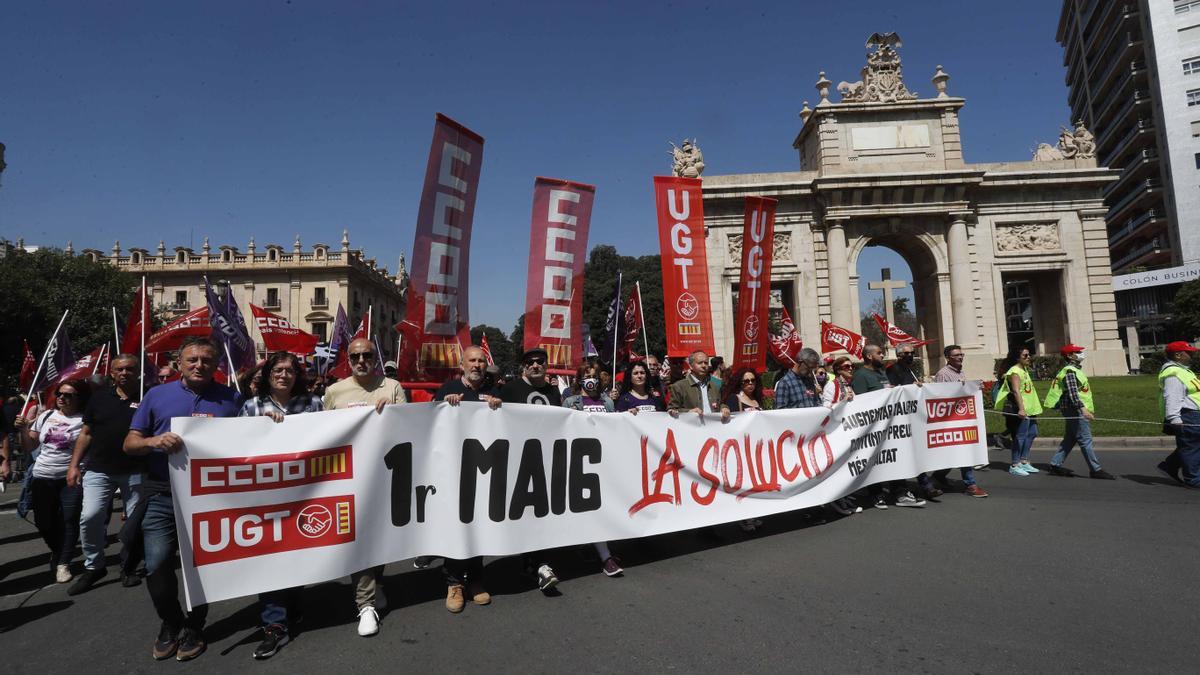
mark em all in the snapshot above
pixel 546 578
pixel 368 621
pixel 63 574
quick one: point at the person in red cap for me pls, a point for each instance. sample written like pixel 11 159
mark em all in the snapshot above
pixel 1181 413
pixel 1072 395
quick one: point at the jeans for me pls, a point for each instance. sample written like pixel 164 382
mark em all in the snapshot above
pixel 275 605
pixel 98 489
pixel 1187 449
pixel 56 515
pixel 158 542
pixel 1079 430
pixel 968 475
pixel 1024 431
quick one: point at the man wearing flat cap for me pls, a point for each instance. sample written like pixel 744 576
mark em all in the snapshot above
pixel 532 386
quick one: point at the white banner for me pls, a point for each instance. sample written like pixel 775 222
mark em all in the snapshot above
pixel 263 506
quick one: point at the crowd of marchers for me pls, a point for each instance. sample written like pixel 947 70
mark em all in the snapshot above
pixel 101 438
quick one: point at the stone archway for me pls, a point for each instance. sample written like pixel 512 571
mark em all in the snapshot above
pixel 925 256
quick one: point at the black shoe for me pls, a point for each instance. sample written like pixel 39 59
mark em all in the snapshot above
pixel 166 644
pixel 1103 475
pixel 1061 471
pixel 1170 472
pixel 84 582
pixel 932 492
pixel 274 637
pixel 191 644
pixel 130 580
pixel 879 502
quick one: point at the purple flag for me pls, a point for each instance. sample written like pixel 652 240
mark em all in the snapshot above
pixel 229 328
pixel 57 361
pixel 613 330
pixel 339 338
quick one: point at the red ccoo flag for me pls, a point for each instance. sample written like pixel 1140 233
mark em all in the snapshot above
pixel 895 335
pixel 279 335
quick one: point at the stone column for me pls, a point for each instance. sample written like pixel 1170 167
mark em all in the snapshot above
pixel 962 295
pixel 839 274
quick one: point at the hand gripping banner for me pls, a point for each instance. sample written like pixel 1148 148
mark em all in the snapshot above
pixel 262 506
pixel 688 315
pixel 436 320
pixel 558 238
pixel 754 286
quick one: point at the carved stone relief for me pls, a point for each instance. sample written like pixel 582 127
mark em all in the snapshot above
pixel 781 248
pixel 1018 237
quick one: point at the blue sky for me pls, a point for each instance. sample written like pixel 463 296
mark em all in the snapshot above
pixel 139 121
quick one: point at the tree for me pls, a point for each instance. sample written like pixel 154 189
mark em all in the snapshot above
pixel 599 282
pixel 901 314
pixel 1186 308
pixel 504 352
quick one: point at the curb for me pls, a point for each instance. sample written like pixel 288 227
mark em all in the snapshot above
pixel 1114 443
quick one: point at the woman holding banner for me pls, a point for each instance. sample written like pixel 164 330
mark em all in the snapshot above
pixel 837 388
pixel 281 390
pixel 57 505
pixel 594 400
pixel 636 393
pixel 743 391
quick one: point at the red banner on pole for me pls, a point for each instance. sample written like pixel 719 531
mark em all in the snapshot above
pixel 688 315
pixel 28 367
pixel 633 325
pixel 279 335
pixel 895 334
pixel 137 326
pixel 834 338
pixel 754 285
pixel 170 336
pixel 786 345
pixel 558 238
pixel 436 321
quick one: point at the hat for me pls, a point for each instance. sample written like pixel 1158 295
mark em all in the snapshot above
pixel 390 364
pixel 1180 346
pixel 536 351
pixel 1070 349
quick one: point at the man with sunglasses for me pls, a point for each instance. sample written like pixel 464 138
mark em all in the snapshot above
pixel 532 387
pixel 365 387
pixel 101 466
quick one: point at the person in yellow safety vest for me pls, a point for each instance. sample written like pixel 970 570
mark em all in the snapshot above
pixel 1020 410
pixel 1072 395
pixel 1181 413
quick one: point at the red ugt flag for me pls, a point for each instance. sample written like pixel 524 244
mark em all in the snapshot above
pixel 786 345
pixel 834 338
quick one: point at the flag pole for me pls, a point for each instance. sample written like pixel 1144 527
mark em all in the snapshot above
pixel 42 362
pixel 617 337
pixel 100 358
pixel 232 372
pixel 116 333
pixel 145 323
pixel 642 317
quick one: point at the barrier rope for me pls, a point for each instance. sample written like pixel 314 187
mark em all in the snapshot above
pixel 1094 419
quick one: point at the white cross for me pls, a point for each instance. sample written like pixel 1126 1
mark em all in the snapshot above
pixel 887 285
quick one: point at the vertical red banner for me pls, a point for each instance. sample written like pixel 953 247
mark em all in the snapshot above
pixel 558 237
pixel 436 320
pixel 688 314
pixel 754 286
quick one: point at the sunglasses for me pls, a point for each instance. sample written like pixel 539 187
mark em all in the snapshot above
pixel 283 371
pixel 362 356
pixel 536 361
pixel 846 366
pixel 749 380
pixel 65 394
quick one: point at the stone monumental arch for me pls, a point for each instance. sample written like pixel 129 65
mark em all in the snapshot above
pixel 1006 252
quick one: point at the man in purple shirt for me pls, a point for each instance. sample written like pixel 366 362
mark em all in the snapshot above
pixel 193 395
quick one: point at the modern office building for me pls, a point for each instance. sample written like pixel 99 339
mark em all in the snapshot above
pixel 1133 73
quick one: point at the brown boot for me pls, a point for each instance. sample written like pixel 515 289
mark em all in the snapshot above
pixel 479 594
pixel 454 598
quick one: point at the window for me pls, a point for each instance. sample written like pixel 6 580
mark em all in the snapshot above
pixel 1195 129
pixel 1191 66
pixel 272 255
pixel 136 258
pixel 318 329
pixel 1018 313
pixel 1187 7
pixel 181 257
pixel 181 300
pixel 226 256
pixel 319 299
pixel 1198 160
pixel 1193 97
pixel 273 297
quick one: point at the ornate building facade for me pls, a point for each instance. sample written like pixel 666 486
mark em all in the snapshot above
pixel 1001 253
pixel 303 285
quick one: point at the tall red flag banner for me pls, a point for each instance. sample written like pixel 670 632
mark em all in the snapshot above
pixel 137 326
pixel 170 336
pixel 688 314
pixel 895 334
pixel 754 286
pixel 279 335
pixel 558 238
pixel 834 338
pixel 436 318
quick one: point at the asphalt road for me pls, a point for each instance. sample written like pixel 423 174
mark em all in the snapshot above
pixel 1048 574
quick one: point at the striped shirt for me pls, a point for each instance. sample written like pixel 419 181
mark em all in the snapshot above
pixel 261 405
